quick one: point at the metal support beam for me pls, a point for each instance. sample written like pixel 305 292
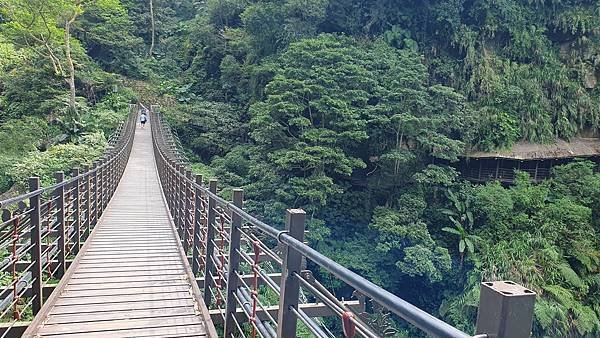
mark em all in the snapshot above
pixel 209 267
pixel 313 310
pixel 87 201
pixel 197 227
pixel 59 193
pixel 77 211
pixel 36 245
pixel 234 263
pixel 290 286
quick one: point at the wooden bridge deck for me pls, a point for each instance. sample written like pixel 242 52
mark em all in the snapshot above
pixel 131 278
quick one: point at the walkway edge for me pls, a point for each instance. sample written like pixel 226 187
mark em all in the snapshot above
pixel 49 303
pixel 211 331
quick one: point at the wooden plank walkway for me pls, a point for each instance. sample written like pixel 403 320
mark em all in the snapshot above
pixel 131 278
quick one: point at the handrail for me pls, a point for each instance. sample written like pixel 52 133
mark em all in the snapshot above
pixel 50 224
pixel 221 233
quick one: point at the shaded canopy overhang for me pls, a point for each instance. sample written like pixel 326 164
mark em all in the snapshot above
pixel 576 147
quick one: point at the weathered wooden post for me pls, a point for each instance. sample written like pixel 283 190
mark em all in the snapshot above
pixel 290 286
pixel 197 226
pixel 505 310
pixel 36 245
pixel 59 194
pixel 209 266
pixel 234 263
pixel 77 209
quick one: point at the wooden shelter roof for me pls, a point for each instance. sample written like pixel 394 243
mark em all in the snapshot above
pixel 576 147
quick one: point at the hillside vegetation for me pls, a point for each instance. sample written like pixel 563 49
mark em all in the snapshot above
pixel 352 110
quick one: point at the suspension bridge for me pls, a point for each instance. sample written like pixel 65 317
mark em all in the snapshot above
pixel 138 246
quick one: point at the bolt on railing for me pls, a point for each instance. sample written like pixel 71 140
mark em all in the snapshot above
pixel 43 229
pixel 242 263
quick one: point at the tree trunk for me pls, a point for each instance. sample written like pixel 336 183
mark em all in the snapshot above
pixel 152 28
pixel 71 78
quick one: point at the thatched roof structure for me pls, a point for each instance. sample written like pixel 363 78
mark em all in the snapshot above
pixel 576 147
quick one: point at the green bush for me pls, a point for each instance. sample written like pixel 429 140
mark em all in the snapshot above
pixel 20 136
pixel 59 157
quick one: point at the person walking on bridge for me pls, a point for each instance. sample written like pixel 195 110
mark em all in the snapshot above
pixel 143 118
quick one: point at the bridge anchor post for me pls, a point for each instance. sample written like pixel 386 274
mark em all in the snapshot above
pixel 505 310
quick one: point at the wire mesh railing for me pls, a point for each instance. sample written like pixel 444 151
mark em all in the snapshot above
pixel 254 276
pixel 42 230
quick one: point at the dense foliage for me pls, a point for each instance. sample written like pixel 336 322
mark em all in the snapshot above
pixel 41 129
pixel 354 111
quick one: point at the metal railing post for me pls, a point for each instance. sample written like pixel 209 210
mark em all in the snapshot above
pixel 77 210
pixel 111 177
pixel 36 245
pixel 105 183
pixel 234 263
pixel 59 193
pixel 95 196
pixel 176 199
pixel 189 213
pixel 86 202
pixel 114 169
pixel 181 200
pixel 290 286
pixel 209 266
pixel 197 226
pixel 172 188
pixel 167 183
pixel 100 189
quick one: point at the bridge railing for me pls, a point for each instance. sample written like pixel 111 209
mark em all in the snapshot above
pixel 42 230
pixel 254 275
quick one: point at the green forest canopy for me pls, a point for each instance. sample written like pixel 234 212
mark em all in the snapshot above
pixel 352 110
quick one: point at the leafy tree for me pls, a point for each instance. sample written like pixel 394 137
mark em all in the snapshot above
pixel 107 33
pixel 405 236
pixel 465 240
pixel 312 115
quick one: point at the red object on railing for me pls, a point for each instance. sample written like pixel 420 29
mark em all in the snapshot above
pixel 348 324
